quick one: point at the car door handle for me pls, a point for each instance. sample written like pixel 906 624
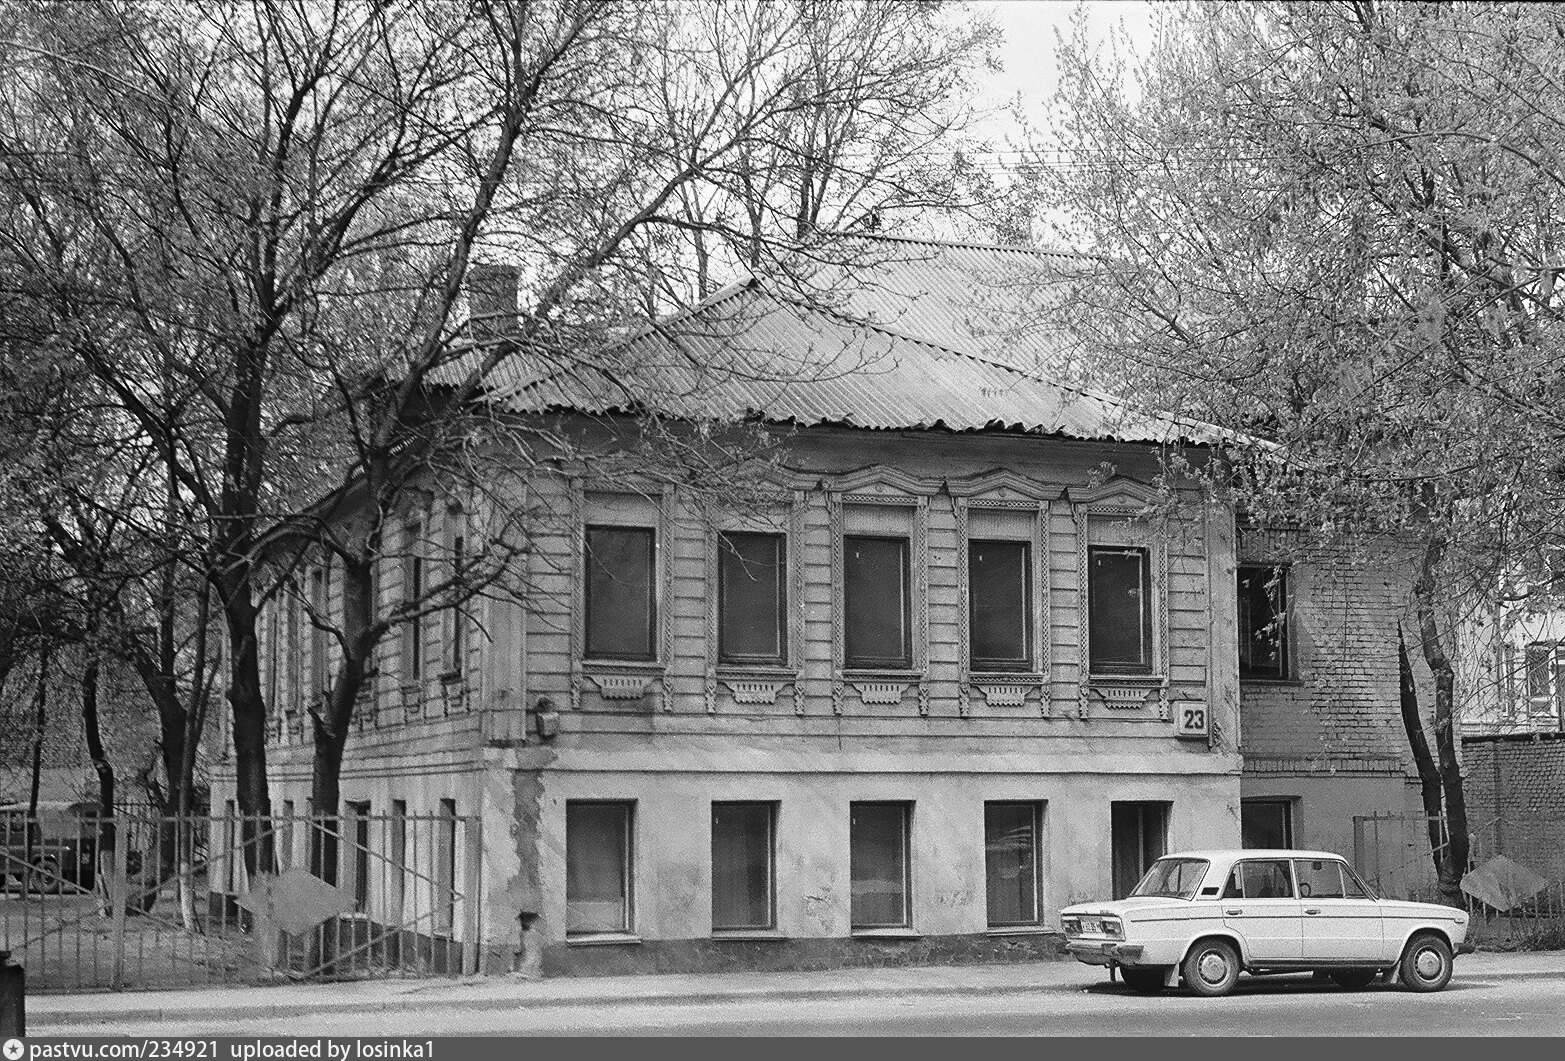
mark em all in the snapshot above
pixel 1312 909
pixel 1232 911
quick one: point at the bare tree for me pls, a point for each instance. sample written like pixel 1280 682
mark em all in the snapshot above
pixel 255 226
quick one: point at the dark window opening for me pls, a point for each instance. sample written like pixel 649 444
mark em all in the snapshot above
pixel 877 611
pixel 621 608
pixel 752 598
pixel 1012 865
pixel 999 605
pixel 742 860
pixel 1266 823
pixel 1139 838
pixel 1263 610
pixel 597 867
pixel 879 870
pixel 359 853
pixel 1119 610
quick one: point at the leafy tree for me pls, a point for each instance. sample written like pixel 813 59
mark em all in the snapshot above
pixel 1334 227
pixel 258 228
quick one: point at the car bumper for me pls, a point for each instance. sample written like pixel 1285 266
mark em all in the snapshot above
pixel 1106 953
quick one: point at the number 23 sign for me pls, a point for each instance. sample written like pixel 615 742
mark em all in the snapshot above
pixel 1190 720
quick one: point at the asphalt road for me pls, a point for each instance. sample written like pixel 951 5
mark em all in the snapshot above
pixel 1470 1006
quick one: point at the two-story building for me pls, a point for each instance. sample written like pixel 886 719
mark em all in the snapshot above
pixel 968 664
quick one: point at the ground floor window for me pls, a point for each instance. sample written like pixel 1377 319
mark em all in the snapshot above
pixel 878 836
pixel 1012 866
pixel 1266 823
pixel 597 866
pixel 1140 837
pixel 357 856
pixel 743 855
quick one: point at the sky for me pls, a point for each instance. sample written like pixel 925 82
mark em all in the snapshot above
pixel 1029 28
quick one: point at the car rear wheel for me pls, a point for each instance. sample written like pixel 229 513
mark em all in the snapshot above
pixel 1354 979
pixel 1426 964
pixel 1146 981
pixel 1211 967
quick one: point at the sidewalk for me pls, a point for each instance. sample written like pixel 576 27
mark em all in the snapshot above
pixel 55 1013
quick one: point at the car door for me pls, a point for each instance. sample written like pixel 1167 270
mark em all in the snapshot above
pixel 1261 907
pixel 1340 922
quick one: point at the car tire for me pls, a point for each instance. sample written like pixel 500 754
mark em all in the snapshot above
pixel 1144 980
pixel 1426 963
pixel 1211 967
pixel 43 878
pixel 1354 979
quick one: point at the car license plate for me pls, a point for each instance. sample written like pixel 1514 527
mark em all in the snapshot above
pixel 1091 926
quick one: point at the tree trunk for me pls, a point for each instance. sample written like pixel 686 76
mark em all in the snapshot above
pixel 248 705
pixel 40 720
pixel 1454 866
pixel 1428 775
pixel 333 720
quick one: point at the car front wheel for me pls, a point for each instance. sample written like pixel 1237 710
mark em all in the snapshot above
pixel 1211 967
pixel 1426 964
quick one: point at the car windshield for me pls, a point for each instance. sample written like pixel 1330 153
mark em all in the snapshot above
pixel 1175 877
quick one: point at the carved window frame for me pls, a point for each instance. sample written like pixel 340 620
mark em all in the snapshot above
pixel 630 680
pixel 1122 502
pixel 747 683
pixel 1004 490
pixel 884 487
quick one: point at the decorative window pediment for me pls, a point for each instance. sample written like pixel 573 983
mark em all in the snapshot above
pixel 1003 484
pixel 1119 492
pixel 875 479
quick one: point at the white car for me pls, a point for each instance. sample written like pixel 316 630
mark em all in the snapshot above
pixel 1208 915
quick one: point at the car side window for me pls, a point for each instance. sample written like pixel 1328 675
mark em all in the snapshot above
pixel 1318 878
pixel 1260 879
pixel 1351 888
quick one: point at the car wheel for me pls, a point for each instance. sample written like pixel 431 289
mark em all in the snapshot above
pixel 1146 981
pixel 1211 967
pixel 44 877
pixel 1354 979
pixel 1426 964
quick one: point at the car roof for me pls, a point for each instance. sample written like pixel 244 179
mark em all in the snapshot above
pixel 77 806
pixel 1235 854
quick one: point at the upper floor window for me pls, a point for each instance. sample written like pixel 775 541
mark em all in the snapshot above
pixel 999 614
pixel 752 598
pixel 412 597
pixel 877 610
pixel 621 604
pixel 320 588
pixel 1545 676
pixel 1263 609
pixel 1119 609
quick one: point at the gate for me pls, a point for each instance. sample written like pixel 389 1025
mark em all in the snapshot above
pixel 143 900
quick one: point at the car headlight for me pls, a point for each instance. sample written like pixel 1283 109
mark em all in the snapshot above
pixel 1113 928
pixel 1071 926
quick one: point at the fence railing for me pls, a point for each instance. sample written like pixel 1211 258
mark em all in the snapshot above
pixel 148 900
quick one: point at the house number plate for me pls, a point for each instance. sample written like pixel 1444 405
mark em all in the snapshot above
pixel 1190 720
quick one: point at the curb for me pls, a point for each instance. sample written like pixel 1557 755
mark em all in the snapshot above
pixel 417 1001
pixel 412 1002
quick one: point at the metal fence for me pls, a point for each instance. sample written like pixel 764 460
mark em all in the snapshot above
pixel 1396 854
pixel 142 900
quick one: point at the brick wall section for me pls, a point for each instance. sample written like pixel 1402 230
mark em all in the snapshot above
pixel 1343 704
pixel 1516 799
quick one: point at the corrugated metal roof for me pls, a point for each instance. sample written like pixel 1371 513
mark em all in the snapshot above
pixel 1001 302
pixel 752 352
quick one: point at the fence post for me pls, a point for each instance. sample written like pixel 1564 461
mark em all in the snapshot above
pixel 472 889
pixel 119 896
